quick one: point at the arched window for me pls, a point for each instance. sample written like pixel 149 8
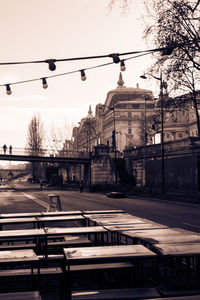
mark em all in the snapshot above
pixel 180 135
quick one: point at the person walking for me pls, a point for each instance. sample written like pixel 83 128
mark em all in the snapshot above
pixel 81 186
pixel 41 184
pixel 4 148
pixel 10 150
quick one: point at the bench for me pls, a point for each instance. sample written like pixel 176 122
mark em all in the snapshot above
pixel 102 266
pixel 101 275
pixel 22 279
pixel 27 272
pixel 136 293
pixel 18 246
pixel 66 242
pixel 21 296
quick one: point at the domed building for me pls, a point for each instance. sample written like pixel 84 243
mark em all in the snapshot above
pixel 126 117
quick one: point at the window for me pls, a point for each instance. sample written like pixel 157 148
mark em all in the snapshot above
pixel 129 131
pixel 168 135
pixel 180 135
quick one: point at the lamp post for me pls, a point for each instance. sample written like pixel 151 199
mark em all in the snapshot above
pixel 113 135
pixel 162 85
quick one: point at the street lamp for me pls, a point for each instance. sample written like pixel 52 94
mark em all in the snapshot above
pixel 162 85
pixel 113 134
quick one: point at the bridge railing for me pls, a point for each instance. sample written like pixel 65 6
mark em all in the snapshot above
pixel 44 152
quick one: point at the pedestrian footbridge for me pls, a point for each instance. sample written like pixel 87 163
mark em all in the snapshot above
pixel 45 155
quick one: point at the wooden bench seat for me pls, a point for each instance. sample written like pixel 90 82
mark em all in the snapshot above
pixel 27 272
pixel 101 266
pixel 136 293
pixel 18 246
pixel 35 295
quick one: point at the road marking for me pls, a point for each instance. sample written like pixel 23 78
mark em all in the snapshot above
pixel 196 226
pixel 40 202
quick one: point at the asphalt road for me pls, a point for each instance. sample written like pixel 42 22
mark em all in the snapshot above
pixel 24 197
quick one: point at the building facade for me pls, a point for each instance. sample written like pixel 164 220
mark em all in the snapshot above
pixel 129 119
pixel 124 119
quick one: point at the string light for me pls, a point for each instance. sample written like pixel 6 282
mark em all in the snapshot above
pixel 83 77
pixel 115 56
pixel 8 89
pixel 122 65
pixel 51 63
pixel 44 83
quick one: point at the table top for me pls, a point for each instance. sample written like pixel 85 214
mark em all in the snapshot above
pixel 178 249
pixel 103 211
pixel 74 230
pixel 18 220
pixel 119 221
pixel 173 239
pixel 109 215
pixel 60 213
pixel 20 215
pixel 60 218
pixel 21 296
pixel 140 226
pixel 151 232
pixel 18 256
pixel 21 233
pixel 107 252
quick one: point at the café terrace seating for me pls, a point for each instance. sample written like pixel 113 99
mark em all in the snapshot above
pixel 96 255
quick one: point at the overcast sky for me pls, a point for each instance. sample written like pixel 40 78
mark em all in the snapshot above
pixel 43 29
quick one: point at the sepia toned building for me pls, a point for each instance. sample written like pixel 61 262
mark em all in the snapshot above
pixel 126 116
pixel 129 121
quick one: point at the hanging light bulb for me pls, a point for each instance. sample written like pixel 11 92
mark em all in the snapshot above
pixel 122 65
pixel 44 83
pixel 8 89
pixel 51 63
pixel 115 57
pixel 83 77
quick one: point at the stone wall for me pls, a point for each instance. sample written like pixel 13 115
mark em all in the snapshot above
pixel 101 170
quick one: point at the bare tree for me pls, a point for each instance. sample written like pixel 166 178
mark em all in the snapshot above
pixel 35 139
pixel 57 137
pixel 176 23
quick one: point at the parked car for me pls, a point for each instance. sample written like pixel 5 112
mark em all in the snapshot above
pixel 116 195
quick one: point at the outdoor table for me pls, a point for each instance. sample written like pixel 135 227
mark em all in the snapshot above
pixel 61 213
pixel 21 296
pixel 95 218
pixel 88 231
pixel 113 219
pixel 164 236
pixel 180 259
pixel 21 215
pixel 115 230
pixel 11 258
pixel 12 236
pixel 17 221
pixel 80 220
pixel 110 211
pixel 137 254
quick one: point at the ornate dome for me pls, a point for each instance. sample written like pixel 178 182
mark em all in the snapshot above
pixel 122 93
